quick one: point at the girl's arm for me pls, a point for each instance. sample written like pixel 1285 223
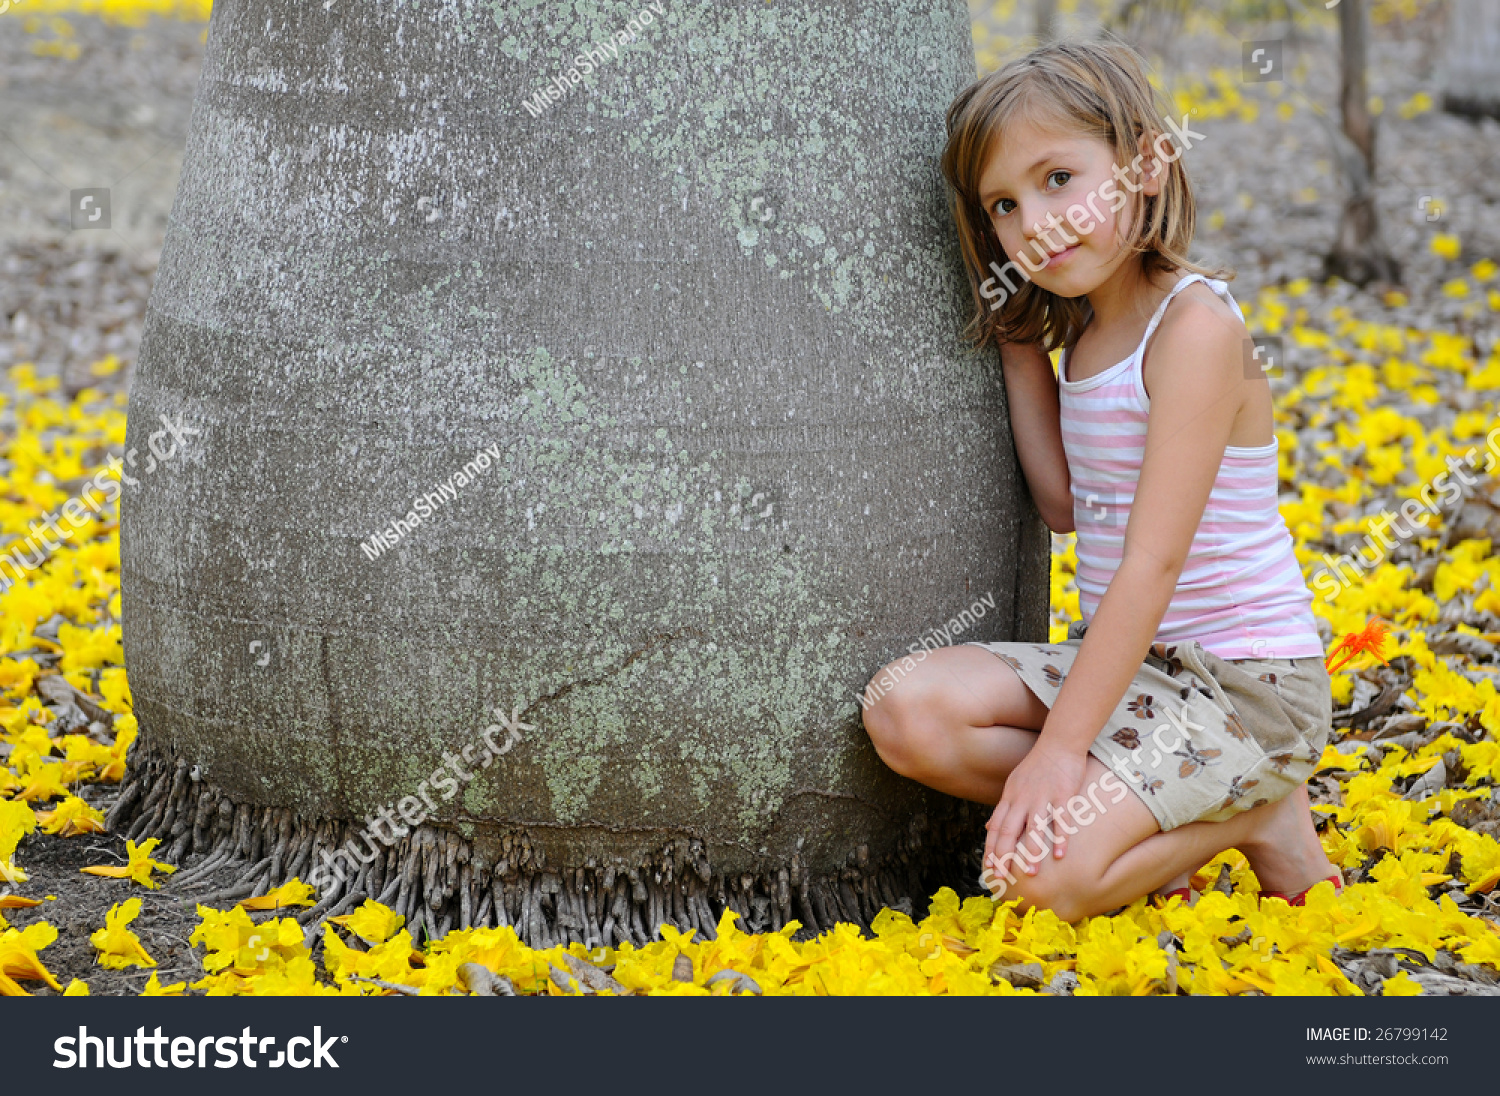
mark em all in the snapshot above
pixel 1031 390
pixel 1200 385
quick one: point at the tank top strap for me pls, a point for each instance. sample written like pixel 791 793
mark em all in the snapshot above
pixel 1161 309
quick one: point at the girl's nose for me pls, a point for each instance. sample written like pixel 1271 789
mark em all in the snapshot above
pixel 1038 224
pixel 1034 216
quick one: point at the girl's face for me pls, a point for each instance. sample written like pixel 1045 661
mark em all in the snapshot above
pixel 1060 206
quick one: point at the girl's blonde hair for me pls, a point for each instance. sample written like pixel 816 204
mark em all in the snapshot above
pixel 1101 90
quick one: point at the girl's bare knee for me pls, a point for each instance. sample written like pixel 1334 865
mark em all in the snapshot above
pixel 1065 901
pixel 895 733
pixel 1056 886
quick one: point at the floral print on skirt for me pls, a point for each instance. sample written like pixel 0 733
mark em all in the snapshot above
pixel 1198 737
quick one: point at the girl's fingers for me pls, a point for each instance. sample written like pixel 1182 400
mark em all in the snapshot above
pixel 992 838
pixel 1005 836
pixel 1055 836
pixel 1041 844
pixel 995 847
pixel 1044 839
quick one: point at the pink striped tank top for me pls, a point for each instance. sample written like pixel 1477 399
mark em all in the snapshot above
pixel 1241 593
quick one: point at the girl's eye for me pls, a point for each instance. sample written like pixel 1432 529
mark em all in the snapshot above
pixel 1005 205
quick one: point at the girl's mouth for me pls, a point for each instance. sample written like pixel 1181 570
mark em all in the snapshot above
pixel 1061 256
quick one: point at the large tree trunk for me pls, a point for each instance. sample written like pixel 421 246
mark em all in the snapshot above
pixel 707 307
pixel 1471 61
pixel 1359 255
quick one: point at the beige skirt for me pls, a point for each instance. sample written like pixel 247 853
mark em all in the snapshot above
pixel 1198 737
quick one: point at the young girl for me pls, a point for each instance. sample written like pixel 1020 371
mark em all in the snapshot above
pixel 1184 712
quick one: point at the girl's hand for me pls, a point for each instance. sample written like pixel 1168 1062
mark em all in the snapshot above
pixel 1044 781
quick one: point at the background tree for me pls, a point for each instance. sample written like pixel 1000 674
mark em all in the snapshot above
pixel 1359 255
pixel 1471 61
pixel 1046 20
pixel 705 302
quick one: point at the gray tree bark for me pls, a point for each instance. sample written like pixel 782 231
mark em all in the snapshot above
pixel 1470 71
pixel 1359 254
pixel 1046 20
pixel 706 308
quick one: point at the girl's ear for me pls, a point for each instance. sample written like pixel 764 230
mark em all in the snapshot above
pixel 1151 165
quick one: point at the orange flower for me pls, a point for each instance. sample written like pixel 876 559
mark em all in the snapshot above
pixel 1371 638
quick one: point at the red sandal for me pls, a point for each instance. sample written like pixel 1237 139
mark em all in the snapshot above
pixel 1300 898
pixel 1185 893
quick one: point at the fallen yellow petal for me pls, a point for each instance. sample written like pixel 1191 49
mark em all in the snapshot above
pixel 291 893
pixel 139 867
pixel 118 947
pixel 154 988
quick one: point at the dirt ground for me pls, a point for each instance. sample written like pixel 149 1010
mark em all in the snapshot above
pixel 75 904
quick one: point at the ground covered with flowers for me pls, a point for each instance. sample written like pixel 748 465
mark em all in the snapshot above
pixel 1388 401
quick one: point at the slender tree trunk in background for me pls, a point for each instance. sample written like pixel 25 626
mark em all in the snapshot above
pixel 1046 20
pixel 706 308
pixel 1359 255
pixel 1471 61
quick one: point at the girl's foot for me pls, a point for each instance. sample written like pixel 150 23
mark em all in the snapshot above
pixel 1181 886
pixel 1283 848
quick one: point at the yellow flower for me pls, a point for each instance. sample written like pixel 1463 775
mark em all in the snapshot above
pixel 1119 958
pixel 139 867
pixel 125 732
pixel 16 821
pixel 1481 866
pixel 87 648
pixel 17 677
pixel 18 960
pixel 1400 986
pixel 1335 759
pixel 297 978
pixel 1417 104
pixel 236 943
pixel 372 922
pixel 1486 950
pixel 43 780
pixel 77 988
pixel 1446 246
pixel 117 946
pixel 389 961
pixel 1403 877
pixel 71 817
pixel 154 988
pixel 294 892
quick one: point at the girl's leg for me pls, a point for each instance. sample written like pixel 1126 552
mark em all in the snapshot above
pixel 962 720
pixel 959 722
pixel 1119 854
pixel 1283 845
